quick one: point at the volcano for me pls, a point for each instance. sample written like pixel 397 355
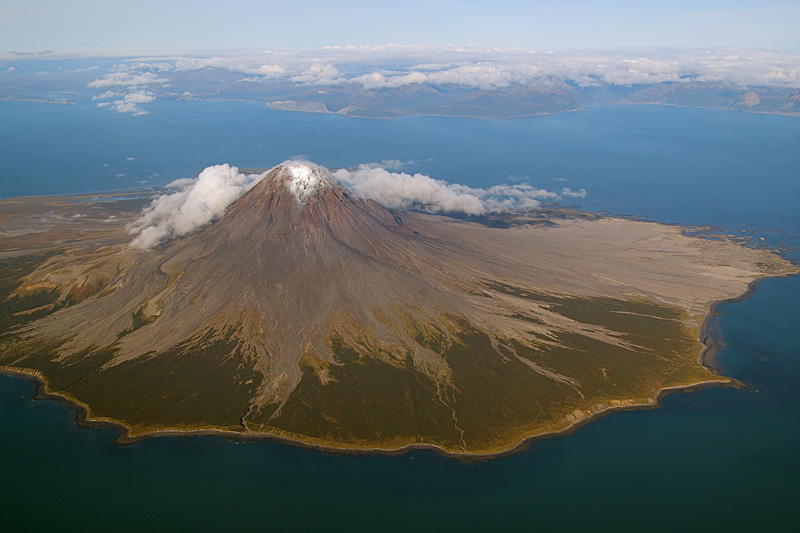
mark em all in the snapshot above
pixel 308 314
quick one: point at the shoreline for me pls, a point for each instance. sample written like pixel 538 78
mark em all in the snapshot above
pixel 83 420
pixel 707 357
pixel 520 439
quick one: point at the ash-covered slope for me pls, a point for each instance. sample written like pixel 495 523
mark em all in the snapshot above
pixel 293 264
pixel 307 313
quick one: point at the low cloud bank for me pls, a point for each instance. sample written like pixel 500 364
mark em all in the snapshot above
pixel 473 67
pixel 125 79
pixel 569 193
pixel 137 80
pixel 399 190
pixel 129 103
pixel 350 71
pixel 483 68
pixel 195 203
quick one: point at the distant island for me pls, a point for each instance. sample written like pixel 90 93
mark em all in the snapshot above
pixel 310 315
pixel 540 99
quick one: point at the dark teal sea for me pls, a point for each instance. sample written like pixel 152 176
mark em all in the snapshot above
pixel 717 459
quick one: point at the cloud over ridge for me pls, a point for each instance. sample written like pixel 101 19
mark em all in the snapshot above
pixel 364 73
pixel 484 68
pixel 195 203
pixel 399 190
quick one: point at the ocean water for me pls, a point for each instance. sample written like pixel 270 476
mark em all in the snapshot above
pixel 718 458
pixel 691 166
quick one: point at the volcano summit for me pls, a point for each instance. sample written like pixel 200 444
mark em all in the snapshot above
pixel 307 312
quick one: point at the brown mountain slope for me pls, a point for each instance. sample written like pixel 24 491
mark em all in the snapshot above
pixel 309 314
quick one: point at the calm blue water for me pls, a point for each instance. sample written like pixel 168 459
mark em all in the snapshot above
pixel 720 458
pixel 697 166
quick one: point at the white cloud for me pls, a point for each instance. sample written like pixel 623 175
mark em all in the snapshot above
pixel 567 192
pixel 269 71
pixel 376 80
pixel 242 65
pixel 486 75
pixel 195 203
pixel 399 190
pixel 126 79
pixel 319 74
pixel 199 201
pixel 394 164
pixel 483 68
pixel 129 103
pixel 139 98
pixel 500 70
pixel 105 95
pixel 746 67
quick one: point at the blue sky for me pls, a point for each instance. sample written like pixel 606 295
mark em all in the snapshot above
pixel 113 25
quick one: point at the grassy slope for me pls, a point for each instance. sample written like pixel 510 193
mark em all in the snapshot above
pixel 496 399
pixel 204 383
pixel 15 311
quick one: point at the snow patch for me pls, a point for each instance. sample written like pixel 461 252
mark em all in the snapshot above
pixel 305 179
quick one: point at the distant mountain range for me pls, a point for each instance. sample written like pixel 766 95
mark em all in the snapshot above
pixel 554 96
pixel 502 87
pixel 549 95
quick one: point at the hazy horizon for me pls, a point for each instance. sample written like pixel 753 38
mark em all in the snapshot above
pixel 91 26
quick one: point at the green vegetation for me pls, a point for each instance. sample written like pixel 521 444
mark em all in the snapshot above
pixel 182 387
pixel 139 320
pixel 15 310
pixel 495 395
pixel 369 401
pixel 201 383
pixel 65 374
